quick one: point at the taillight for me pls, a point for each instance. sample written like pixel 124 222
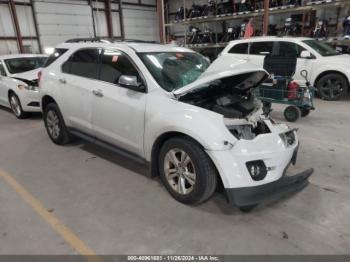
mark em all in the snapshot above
pixel 293 90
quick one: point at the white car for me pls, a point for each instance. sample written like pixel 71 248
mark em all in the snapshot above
pixel 197 127
pixel 328 70
pixel 18 82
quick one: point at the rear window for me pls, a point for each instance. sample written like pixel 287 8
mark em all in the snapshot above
pixel 55 55
pixel 257 48
pixel 239 49
pixel 24 64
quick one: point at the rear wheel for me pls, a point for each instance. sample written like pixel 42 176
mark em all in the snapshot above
pixel 55 126
pixel 332 86
pixel 16 106
pixel 305 112
pixel 187 171
pixel 292 113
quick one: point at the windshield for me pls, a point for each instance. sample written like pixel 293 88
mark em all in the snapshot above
pixel 321 48
pixel 173 70
pixel 23 64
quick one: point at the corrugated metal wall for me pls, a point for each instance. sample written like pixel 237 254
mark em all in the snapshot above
pixel 59 20
pixel 62 20
pixel 141 22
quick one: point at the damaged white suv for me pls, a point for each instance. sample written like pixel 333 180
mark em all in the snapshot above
pixel 196 126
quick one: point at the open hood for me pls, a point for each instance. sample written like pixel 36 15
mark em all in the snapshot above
pixel 235 69
pixel 28 75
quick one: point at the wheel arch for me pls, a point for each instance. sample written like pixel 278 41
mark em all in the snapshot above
pixel 157 145
pixel 9 92
pixel 47 100
pixel 322 74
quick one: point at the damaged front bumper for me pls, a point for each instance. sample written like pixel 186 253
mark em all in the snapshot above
pixel 248 196
pixel 253 170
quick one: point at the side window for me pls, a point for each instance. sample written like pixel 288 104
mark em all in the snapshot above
pixel 2 70
pixel 289 49
pixel 83 63
pixel 256 48
pixel 114 64
pixel 239 49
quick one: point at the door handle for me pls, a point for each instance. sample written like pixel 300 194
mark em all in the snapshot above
pixel 62 80
pixel 98 93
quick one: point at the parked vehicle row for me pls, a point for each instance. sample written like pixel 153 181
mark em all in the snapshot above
pixel 197 125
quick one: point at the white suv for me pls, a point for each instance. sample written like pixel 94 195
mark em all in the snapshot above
pixel 18 82
pixel 328 70
pixel 166 106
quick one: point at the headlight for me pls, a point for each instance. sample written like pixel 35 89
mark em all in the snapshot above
pixel 28 87
pixel 288 138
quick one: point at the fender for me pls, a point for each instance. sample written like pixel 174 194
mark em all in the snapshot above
pixel 188 119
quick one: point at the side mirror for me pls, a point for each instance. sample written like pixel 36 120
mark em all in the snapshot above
pixel 131 82
pixel 306 54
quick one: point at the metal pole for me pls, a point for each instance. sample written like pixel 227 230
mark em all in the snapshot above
pixel 266 18
pixel 36 25
pixel 109 18
pixel 121 19
pixel 18 30
pixel 160 7
pixel 93 18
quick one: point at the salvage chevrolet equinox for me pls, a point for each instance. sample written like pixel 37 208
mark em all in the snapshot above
pixel 197 126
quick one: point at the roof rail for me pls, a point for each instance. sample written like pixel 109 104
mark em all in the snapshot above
pixel 84 40
pixel 107 40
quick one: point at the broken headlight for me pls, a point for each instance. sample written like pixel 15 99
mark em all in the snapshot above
pixel 28 87
pixel 288 138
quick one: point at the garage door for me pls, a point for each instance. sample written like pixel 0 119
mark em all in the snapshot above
pixel 140 22
pixel 62 20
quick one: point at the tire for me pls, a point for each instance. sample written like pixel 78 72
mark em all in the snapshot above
pixel 55 126
pixel 292 113
pixel 194 179
pixel 16 106
pixel 304 112
pixel 247 209
pixel 332 86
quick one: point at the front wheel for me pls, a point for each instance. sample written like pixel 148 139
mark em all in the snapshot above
pixel 16 106
pixel 187 171
pixel 55 126
pixel 332 86
pixel 292 113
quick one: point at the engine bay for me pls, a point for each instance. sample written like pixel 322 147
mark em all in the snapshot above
pixel 225 97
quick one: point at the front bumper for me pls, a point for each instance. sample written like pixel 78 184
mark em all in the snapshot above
pixel 30 100
pixel 247 196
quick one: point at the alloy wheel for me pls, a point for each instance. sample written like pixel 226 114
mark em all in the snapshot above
pixel 15 106
pixel 179 171
pixel 332 88
pixel 53 124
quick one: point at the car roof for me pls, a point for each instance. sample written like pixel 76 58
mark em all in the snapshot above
pixel 21 56
pixel 272 38
pixel 137 47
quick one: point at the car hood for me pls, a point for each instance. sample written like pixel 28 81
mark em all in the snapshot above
pixel 213 74
pixel 29 75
